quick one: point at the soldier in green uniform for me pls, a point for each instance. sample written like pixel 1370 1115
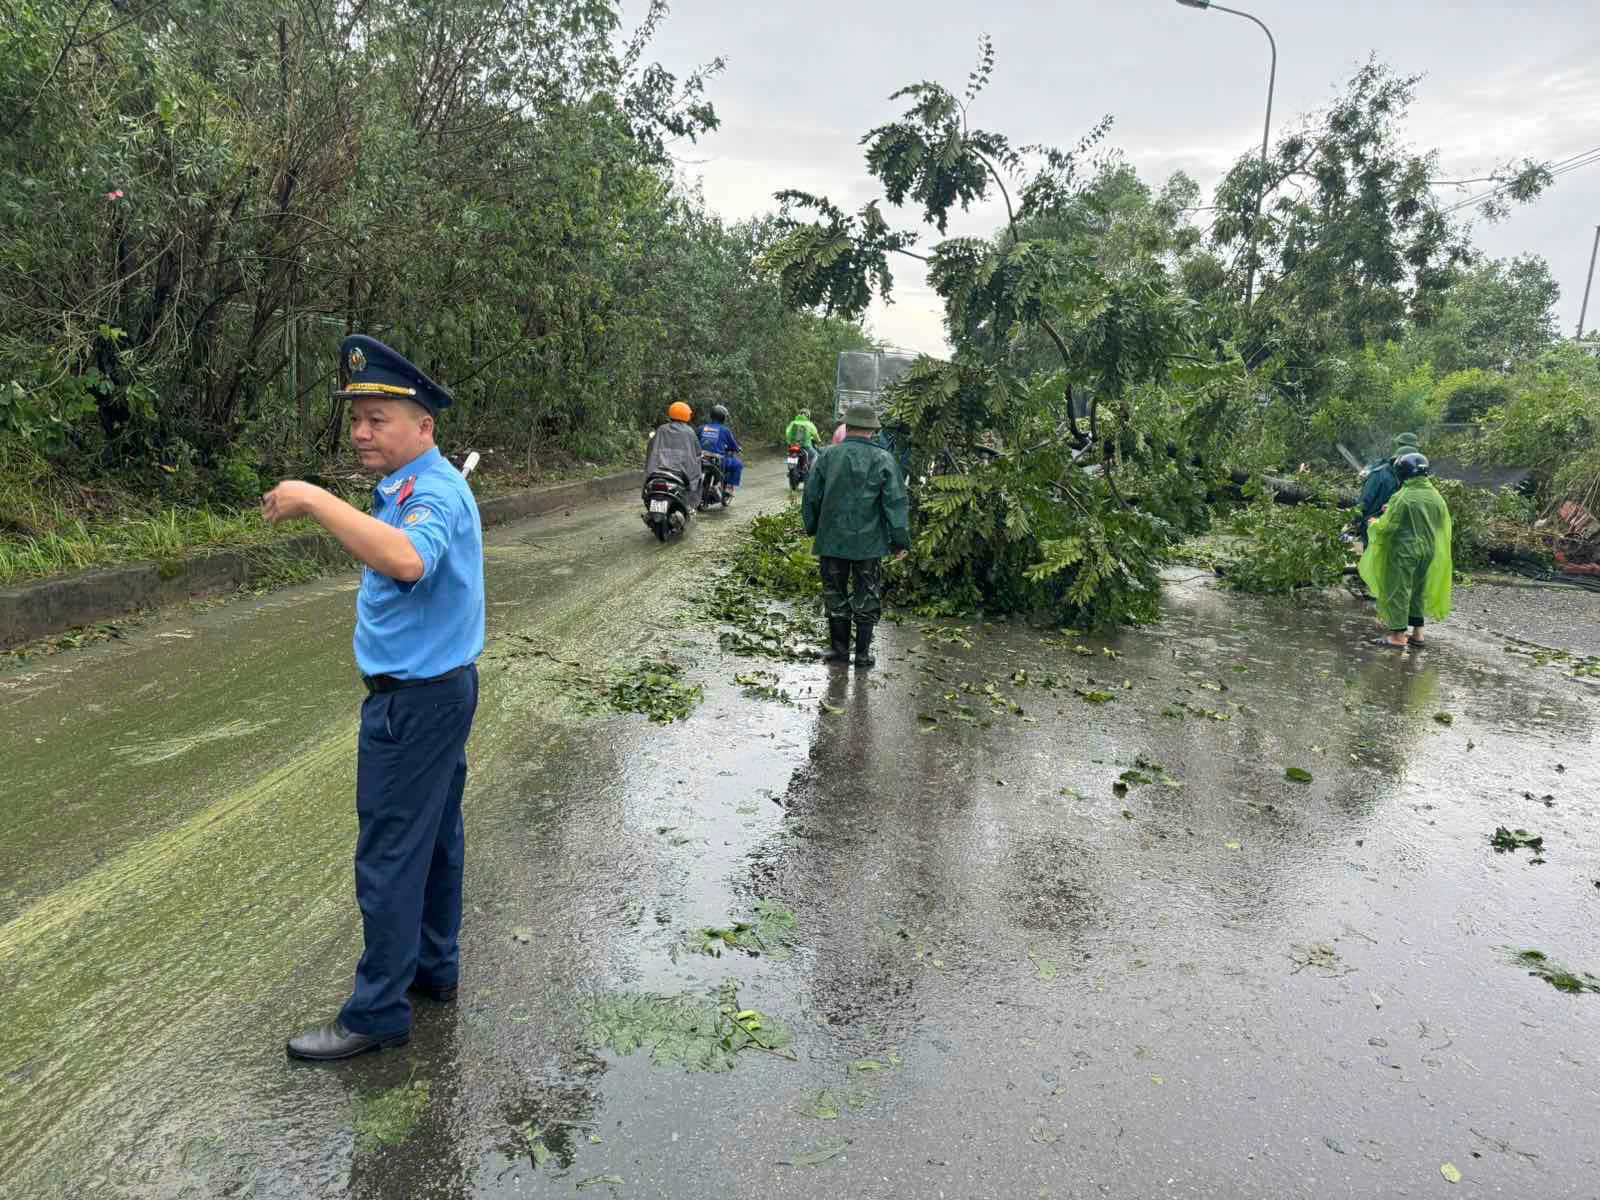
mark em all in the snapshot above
pixel 855 508
pixel 1382 483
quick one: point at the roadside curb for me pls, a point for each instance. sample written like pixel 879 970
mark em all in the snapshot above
pixel 42 607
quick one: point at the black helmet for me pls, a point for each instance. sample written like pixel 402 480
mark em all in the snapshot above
pixel 1410 466
pixel 719 412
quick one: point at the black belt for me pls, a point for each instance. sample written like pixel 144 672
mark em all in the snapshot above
pixel 392 683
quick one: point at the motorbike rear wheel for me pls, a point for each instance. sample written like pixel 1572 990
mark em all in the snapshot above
pixel 661 530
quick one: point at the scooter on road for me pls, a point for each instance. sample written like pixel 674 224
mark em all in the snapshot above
pixel 799 463
pixel 666 504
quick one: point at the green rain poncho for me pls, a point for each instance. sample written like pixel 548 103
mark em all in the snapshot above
pixel 1407 564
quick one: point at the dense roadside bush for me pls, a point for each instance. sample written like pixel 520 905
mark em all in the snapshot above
pixel 1482 520
pixel 1551 425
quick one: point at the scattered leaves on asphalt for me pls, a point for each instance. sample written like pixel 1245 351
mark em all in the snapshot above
pixel 770 931
pixel 692 1032
pixel 388 1116
pixel 827 1148
pixel 1449 1171
pixel 1297 775
pixel 1320 957
pixel 1503 839
pixel 1542 966
pixel 763 685
pixel 1045 967
pixel 823 1106
pixel 1444 718
pixel 653 687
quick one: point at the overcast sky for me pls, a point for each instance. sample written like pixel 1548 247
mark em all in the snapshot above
pixel 1187 90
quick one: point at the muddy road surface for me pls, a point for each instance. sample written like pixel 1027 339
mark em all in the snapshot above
pixel 1208 909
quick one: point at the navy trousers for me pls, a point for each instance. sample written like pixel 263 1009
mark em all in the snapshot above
pixel 411 768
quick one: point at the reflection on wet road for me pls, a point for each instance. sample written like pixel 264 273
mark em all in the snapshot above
pixel 1048 943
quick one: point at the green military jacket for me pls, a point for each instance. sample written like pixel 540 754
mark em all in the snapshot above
pixel 855 502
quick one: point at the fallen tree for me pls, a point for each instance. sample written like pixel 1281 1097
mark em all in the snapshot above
pixel 1295 491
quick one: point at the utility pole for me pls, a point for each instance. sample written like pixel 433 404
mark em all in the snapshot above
pixel 1584 311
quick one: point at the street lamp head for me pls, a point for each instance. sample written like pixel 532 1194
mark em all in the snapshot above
pixel 1195 3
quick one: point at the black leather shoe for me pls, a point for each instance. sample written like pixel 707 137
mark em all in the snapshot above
pixel 442 993
pixel 326 1043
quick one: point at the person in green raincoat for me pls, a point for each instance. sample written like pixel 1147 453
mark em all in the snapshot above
pixel 856 509
pixel 1407 563
pixel 801 432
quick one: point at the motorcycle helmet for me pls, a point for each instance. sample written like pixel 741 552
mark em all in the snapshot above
pixel 1410 466
pixel 719 413
pixel 679 411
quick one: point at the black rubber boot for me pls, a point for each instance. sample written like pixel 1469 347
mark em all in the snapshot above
pixel 838 641
pixel 864 644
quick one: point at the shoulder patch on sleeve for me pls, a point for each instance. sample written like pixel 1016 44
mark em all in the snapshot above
pixel 416 515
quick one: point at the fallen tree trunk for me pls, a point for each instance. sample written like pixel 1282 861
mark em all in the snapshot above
pixel 1292 491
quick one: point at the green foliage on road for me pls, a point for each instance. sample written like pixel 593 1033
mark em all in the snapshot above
pixel 1541 966
pixel 654 687
pixel 775 558
pixel 1286 547
pixel 769 931
pixel 752 599
pixel 694 1033
pixel 388 1116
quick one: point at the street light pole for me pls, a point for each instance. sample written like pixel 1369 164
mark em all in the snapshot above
pixel 1266 131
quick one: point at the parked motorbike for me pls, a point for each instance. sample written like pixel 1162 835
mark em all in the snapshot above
pixel 713 481
pixel 799 466
pixel 666 504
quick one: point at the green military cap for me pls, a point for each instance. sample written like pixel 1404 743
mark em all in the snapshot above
pixel 1404 442
pixel 861 415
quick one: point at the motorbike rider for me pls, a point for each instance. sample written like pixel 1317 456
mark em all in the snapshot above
pixel 717 438
pixel 674 447
pixel 801 432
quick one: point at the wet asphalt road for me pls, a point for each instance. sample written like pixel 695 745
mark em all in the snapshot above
pixel 1221 983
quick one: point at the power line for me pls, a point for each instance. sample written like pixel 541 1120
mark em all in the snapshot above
pixel 1556 169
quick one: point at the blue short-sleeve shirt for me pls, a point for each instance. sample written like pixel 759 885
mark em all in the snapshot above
pixel 422 629
pixel 716 438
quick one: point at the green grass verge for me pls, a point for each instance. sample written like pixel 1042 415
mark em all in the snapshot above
pixel 69 543
pixel 50 525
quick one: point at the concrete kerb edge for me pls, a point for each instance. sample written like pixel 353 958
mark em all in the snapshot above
pixel 42 607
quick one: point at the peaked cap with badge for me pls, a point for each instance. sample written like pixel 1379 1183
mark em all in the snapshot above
pixel 371 369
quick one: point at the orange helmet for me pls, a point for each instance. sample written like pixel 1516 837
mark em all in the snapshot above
pixel 680 411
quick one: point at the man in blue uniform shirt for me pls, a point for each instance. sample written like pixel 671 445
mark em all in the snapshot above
pixel 419 631
pixel 717 438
